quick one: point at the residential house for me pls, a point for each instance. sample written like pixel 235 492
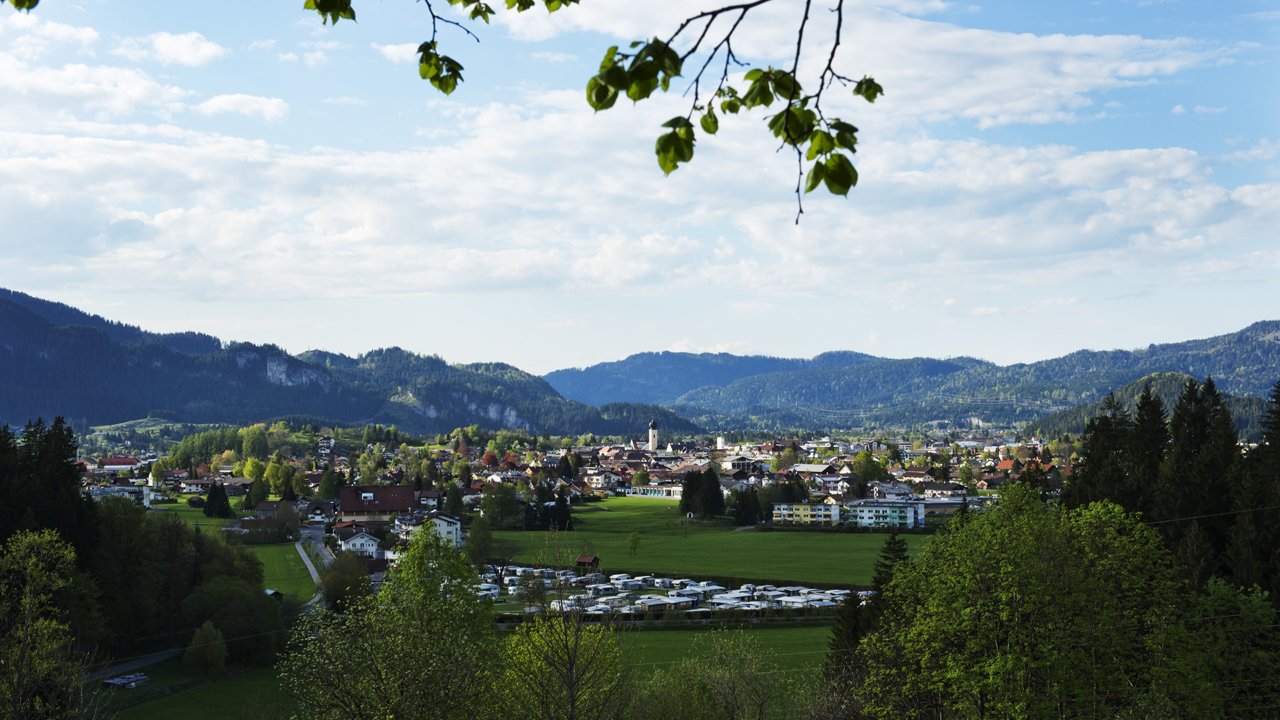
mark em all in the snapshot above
pixel 375 503
pixel 887 513
pixel 942 490
pixel 806 514
pixel 889 491
pixel 362 544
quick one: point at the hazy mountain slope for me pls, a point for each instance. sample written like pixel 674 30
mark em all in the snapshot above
pixel 840 390
pixel 61 314
pixel 57 362
pixel 660 377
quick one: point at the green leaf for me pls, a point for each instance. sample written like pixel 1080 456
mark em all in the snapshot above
pixel 600 96
pixel 814 177
pixel 615 77
pixel 610 57
pixel 868 89
pixel 820 143
pixel 785 85
pixel 677 122
pixel 674 147
pixel 840 174
pixel 710 123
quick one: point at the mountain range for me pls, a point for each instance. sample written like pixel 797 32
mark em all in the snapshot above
pixel 57 360
pixel 849 389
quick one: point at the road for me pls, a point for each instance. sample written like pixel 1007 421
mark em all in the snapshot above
pixel 132 664
pixel 313 535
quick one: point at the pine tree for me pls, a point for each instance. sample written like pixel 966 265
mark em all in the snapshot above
pixel 843 669
pixel 1148 444
pixel 691 493
pixel 892 553
pixel 710 495
pixel 1106 441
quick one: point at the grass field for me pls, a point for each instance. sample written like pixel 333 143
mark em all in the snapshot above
pixel 246 694
pixel 800 648
pixel 668 546
pixel 283 570
pixel 256 693
pixel 193 516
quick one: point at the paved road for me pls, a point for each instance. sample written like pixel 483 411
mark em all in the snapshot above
pixel 313 535
pixel 133 664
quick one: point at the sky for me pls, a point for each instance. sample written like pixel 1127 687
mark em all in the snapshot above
pixel 1038 178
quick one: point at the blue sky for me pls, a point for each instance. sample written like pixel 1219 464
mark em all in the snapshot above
pixel 1039 177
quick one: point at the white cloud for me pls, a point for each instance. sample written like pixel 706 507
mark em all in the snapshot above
pixel 33 36
pixel 267 44
pixel 932 71
pixel 691 346
pixel 402 53
pixel 267 108
pixel 190 49
pixel 40 91
pixel 554 57
pixel 287 57
pixel 1209 110
pixel 1178 110
pixel 344 100
pixel 1264 150
pixel 315 59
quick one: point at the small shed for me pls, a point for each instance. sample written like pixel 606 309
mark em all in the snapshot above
pixel 588 561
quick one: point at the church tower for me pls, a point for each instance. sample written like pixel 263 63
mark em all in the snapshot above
pixel 653 436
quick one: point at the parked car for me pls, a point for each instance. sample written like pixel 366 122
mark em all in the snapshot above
pixel 128 682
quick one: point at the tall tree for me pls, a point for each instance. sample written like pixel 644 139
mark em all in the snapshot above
pixel 1106 444
pixel 844 669
pixel 558 666
pixel 1030 610
pixel 41 671
pixel 422 649
pixel 1147 447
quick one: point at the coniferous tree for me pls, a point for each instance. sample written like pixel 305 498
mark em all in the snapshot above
pixel 691 493
pixel 1102 473
pixel 328 489
pixel 1253 553
pixel 564 468
pixel 1147 447
pixel 843 669
pixel 453 501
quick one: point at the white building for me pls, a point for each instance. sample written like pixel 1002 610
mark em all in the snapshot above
pixel 362 544
pixel 887 513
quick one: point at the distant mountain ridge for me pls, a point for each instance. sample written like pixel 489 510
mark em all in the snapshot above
pixel 844 390
pixel 63 315
pixel 1246 411
pixel 56 360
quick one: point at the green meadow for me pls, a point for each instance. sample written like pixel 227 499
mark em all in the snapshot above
pixel 284 570
pixel 673 546
pixel 256 693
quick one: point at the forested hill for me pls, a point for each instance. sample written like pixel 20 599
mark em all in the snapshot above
pixel 661 377
pixel 841 390
pixel 1246 411
pixel 58 361
pixel 62 315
